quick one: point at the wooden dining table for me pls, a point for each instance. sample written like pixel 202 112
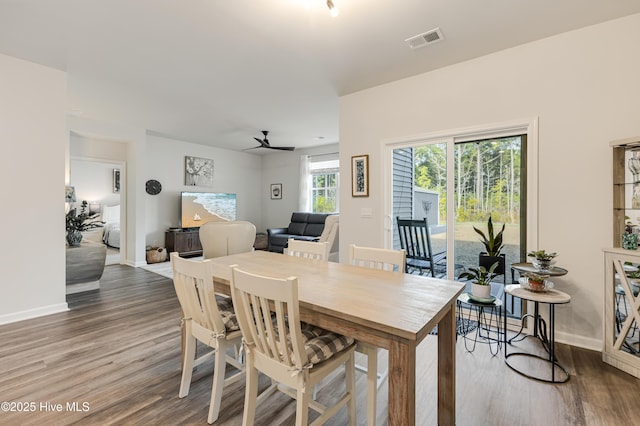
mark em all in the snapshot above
pixel 390 310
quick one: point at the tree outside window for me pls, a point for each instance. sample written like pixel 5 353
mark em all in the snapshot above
pixel 324 192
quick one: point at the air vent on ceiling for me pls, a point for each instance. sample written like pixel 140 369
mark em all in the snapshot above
pixel 423 39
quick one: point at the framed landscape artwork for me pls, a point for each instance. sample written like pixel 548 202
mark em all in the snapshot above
pixel 360 176
pixel 276 191
pixel 198 171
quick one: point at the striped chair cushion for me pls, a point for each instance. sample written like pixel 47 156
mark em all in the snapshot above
pixel 225 306
pixel 320 344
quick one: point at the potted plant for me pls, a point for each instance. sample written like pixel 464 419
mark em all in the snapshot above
pixel 481 279
pixel 541 259
pixel 493 246
pixel 79 222
pixel 536 281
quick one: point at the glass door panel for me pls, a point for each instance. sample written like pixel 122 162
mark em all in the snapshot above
pixel 488 182
pixel 419 192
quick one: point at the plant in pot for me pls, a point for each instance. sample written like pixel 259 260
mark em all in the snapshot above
pixel 493 246
pixel 480 279
pixel 536 281
pixel 542 260
pixel 79 222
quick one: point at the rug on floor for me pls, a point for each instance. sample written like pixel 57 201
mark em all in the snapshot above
pixel 463 326
pixel 163 268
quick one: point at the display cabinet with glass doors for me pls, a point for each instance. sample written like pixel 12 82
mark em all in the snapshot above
pixel 622 262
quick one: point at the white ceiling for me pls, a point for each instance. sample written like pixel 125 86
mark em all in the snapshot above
pixel 217 72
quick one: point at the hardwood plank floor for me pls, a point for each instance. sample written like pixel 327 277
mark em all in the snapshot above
pixel 116 354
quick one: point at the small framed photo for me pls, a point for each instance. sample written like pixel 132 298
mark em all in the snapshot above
pixel 276 191
pixel 116 181
pixel 360 176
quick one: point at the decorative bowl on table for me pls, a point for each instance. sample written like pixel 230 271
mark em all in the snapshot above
pixel 535 285
pixel 542 265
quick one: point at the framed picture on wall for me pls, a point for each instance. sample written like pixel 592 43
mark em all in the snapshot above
pixel 198 171
pixel 276 191
pixel 360 176
pixel 116 181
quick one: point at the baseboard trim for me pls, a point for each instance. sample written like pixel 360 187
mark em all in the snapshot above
pixel 33 313
pixel 80 287
pixel 579 341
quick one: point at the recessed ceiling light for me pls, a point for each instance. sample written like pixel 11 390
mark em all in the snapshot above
pixel 318 138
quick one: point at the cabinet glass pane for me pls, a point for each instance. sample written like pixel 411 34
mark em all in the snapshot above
pixel 625 324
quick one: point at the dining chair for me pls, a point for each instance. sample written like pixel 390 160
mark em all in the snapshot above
pixel 295 355
pixel 415 239
pixel 224 238
pixel 307 249
pixel 210 319
pixel 376 258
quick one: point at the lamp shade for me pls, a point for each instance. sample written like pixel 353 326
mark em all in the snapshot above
pixel 94 207
pixel 69 194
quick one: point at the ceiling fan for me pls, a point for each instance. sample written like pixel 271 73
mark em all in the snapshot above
pixel 264 143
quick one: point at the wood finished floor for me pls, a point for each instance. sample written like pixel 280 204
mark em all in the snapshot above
pixel 118 351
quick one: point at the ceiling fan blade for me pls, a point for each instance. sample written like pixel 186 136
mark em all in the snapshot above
pixel 264 143
pixel 283 148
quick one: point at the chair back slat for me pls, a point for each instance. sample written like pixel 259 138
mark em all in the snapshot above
pixel 193 282
pixel 255 299
pixel 415 238
pixel 307 249
pixel 377 258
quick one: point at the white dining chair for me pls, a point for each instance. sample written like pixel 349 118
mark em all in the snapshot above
pixel 295 355
pixel 210 319
pixel 307 249
pixel 389 260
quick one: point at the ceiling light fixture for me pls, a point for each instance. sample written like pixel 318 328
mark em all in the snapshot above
pixel 332 8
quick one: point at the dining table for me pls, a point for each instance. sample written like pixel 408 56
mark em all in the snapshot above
pixel 387 309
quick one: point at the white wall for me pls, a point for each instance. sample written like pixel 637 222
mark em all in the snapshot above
pixel 93 181
pixel 233 172
pixel 284 167
pixel 32 169
pixel 584 88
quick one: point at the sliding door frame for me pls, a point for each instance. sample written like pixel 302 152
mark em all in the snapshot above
pixel 527 126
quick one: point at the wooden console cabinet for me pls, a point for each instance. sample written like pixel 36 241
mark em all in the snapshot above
pixel 186 243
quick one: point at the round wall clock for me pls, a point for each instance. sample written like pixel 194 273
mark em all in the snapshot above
pixel 153 187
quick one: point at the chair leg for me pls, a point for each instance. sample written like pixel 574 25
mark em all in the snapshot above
pixel 218 384
pixel 250 395
pixel 350 373
pixel 188 361
pixel 302 407
pixel 372 384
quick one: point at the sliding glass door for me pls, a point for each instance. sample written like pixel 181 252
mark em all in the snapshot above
pixel 457 184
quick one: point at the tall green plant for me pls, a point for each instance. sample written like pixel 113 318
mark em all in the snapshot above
pixel 492 242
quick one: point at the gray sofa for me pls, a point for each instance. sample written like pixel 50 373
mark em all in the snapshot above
pixel 303 226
